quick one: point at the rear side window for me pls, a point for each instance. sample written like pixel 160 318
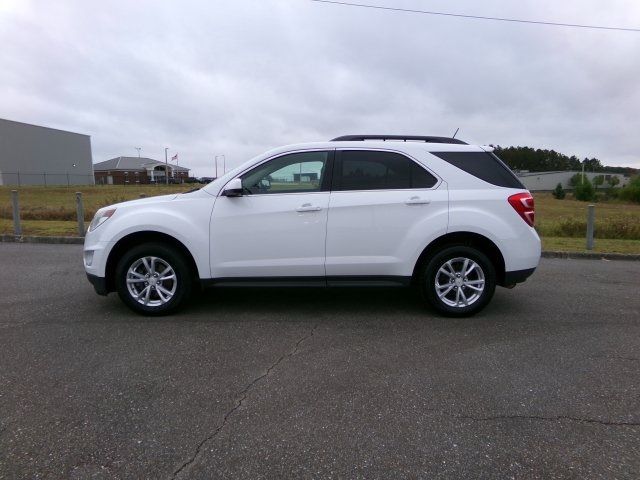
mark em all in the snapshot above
pixel 370 170
pixel 485 166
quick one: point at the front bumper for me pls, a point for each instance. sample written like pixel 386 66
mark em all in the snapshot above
pixel 99 284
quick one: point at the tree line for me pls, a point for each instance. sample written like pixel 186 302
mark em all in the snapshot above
pixel 538 160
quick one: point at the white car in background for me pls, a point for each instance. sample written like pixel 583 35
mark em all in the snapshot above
pixel 376 210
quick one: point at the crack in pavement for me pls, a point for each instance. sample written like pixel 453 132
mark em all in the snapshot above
pixel 548 419
pixel 555 418
pixel 616 357
pixel 243 394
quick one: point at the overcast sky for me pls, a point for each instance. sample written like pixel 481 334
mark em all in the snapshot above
pixel 239 77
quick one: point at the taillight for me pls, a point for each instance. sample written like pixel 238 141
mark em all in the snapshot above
pixel 524 205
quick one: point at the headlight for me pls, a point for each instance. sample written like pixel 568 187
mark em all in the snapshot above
pixel 101 217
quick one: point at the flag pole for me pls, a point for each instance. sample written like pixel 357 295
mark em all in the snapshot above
pixel 166 167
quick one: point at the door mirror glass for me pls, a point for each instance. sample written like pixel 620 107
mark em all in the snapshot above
pixel 233 188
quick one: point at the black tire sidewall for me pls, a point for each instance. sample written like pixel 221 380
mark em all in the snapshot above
pixel 428 277
pixel 173 258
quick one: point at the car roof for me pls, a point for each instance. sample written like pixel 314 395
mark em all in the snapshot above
pixel 398 145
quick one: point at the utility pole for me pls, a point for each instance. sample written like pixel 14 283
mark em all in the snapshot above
pixel 138 148
pixel 166 167
pixel 224 164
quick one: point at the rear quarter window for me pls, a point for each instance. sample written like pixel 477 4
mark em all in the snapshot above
pixel 483 165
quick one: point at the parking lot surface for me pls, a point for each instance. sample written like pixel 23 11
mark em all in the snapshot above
pixel 296 383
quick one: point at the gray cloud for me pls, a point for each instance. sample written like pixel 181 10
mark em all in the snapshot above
pixel 237 78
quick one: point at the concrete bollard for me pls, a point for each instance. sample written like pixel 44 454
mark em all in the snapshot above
pixel 591 213
pixel 17 227
pixel 80 214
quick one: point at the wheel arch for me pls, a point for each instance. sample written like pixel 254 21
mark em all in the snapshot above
pixel 469 239
pixel 139 238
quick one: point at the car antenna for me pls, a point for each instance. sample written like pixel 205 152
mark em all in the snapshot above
pixel 454 135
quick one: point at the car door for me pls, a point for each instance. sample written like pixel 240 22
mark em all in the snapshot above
pixel 277 228
pixel 384 209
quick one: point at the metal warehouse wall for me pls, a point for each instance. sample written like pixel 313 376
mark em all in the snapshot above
pixel 548 180
pixel 34 155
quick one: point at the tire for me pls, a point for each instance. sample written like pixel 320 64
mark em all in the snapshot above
pixel 139 282
pixel 451 293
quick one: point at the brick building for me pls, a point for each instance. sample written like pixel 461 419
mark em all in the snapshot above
pixel 132 170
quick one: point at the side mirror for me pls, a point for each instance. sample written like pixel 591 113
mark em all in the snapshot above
pixel 233 188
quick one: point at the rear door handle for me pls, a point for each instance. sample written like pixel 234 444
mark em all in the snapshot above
pixel 417 201
pixel 307 207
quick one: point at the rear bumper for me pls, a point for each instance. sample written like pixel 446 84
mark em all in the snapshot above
pixel 99 284
pixel 517 276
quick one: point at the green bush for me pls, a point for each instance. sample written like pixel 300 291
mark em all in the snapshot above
pixel 559 192
pixel 583 189
pixel 631 192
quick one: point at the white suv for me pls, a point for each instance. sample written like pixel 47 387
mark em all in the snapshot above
pixel 376 210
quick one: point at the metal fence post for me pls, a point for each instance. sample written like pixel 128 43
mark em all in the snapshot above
pixel 590 221
pixel 80 212
pixel 17 228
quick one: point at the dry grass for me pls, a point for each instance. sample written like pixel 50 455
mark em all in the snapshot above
pixel 604 245
pixel 59 203
pixel 47 228
pixel 568 218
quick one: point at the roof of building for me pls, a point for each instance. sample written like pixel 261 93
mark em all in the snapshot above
pixel 132 164
pixel 568 172
pixel 41 126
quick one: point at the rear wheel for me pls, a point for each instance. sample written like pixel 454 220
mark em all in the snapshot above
pixel 458 281
pixel 153 279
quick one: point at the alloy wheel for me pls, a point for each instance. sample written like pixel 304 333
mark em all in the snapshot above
pixel 151 281
pixel 459 282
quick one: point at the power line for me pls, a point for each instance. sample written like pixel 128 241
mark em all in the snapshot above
pixel 478 17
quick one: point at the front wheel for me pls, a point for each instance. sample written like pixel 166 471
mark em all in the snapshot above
pixel 458 281
pixel 153 279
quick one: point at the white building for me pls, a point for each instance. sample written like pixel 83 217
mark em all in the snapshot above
pixel 35 155
pixel 535 181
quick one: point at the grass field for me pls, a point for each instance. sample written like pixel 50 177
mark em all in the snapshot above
pixel 561 223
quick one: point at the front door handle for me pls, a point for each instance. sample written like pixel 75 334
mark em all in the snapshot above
pixel 307 207
pixel 417 201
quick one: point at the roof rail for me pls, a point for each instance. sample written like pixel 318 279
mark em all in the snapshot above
pixel 404 138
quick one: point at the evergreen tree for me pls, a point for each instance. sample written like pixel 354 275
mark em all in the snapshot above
pixel 559 192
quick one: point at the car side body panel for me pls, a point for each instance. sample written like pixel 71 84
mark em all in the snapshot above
pixel 487 213
pixel 382 233
pixel 184 217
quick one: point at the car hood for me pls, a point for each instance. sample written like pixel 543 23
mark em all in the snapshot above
pixel 144 201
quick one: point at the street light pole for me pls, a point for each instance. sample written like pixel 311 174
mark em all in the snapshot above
pixel 166 167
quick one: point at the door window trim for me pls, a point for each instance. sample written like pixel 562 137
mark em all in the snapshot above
pixel 337 163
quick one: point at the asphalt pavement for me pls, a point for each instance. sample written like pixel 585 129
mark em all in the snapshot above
pixel 297 383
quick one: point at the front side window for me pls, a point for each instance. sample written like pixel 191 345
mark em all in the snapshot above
pixel 292 173
pixel 370 170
